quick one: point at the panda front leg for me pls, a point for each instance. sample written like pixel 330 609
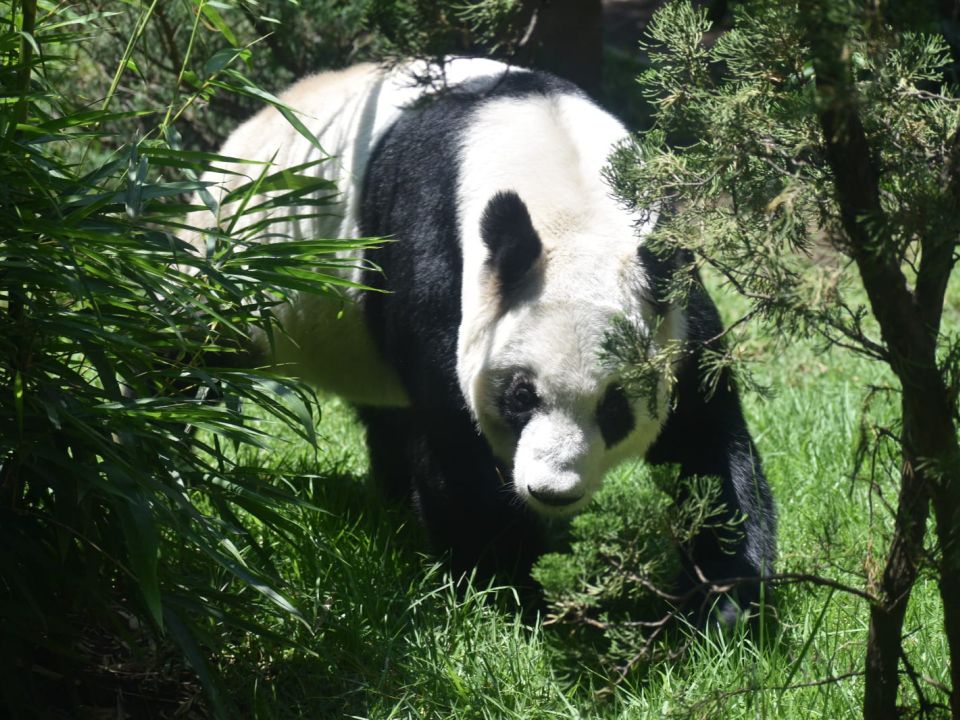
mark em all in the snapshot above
pixel 706 435
pixel 468 506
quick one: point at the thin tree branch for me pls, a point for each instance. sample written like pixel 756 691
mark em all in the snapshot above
pixel 857 186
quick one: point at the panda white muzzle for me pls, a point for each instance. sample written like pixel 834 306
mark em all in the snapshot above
pixel 551 465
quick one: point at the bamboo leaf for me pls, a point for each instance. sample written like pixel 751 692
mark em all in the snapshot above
pixel 143 549
pixel 186 639
pixel 243 86
pixel 211 13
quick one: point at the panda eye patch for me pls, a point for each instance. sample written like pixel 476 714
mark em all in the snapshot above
pixel 519 401
pixel 614 415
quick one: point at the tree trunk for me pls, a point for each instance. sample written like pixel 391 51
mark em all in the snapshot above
pixel 899 574
pixel 930 434
pixel 931 460
pixel 566 39
pixel 947 510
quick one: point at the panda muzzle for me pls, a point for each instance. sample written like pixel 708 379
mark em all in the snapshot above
pixel 554 499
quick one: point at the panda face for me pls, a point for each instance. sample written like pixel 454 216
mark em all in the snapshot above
pixel 555 414
pixel 551 261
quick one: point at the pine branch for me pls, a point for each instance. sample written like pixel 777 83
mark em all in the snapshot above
pixel 909 326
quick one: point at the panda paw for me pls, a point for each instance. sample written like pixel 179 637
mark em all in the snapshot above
pixel 731 615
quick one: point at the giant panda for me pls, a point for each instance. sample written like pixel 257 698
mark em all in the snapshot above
pixel 476 370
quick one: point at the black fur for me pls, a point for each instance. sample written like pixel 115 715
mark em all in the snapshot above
pixel 518 402
pixel 464 498
pixel 660 269
pixel 507 231
pixel 614 416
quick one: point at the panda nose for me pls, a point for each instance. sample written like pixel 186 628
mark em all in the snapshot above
pixel 554 499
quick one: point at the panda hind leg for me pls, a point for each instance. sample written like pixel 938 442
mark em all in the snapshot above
pixel 393 442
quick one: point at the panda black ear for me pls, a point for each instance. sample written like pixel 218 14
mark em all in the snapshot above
pixel 660 268
pixel 507 231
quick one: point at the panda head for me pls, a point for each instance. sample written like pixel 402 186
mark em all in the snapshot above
pixel 547 291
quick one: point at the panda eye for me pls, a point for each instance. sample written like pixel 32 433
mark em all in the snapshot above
pixel 519 401
pixel 523 398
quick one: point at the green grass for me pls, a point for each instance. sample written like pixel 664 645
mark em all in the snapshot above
pixel 388 637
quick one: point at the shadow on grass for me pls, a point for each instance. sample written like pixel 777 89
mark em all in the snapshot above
pixel 391 634
pixel 354 578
